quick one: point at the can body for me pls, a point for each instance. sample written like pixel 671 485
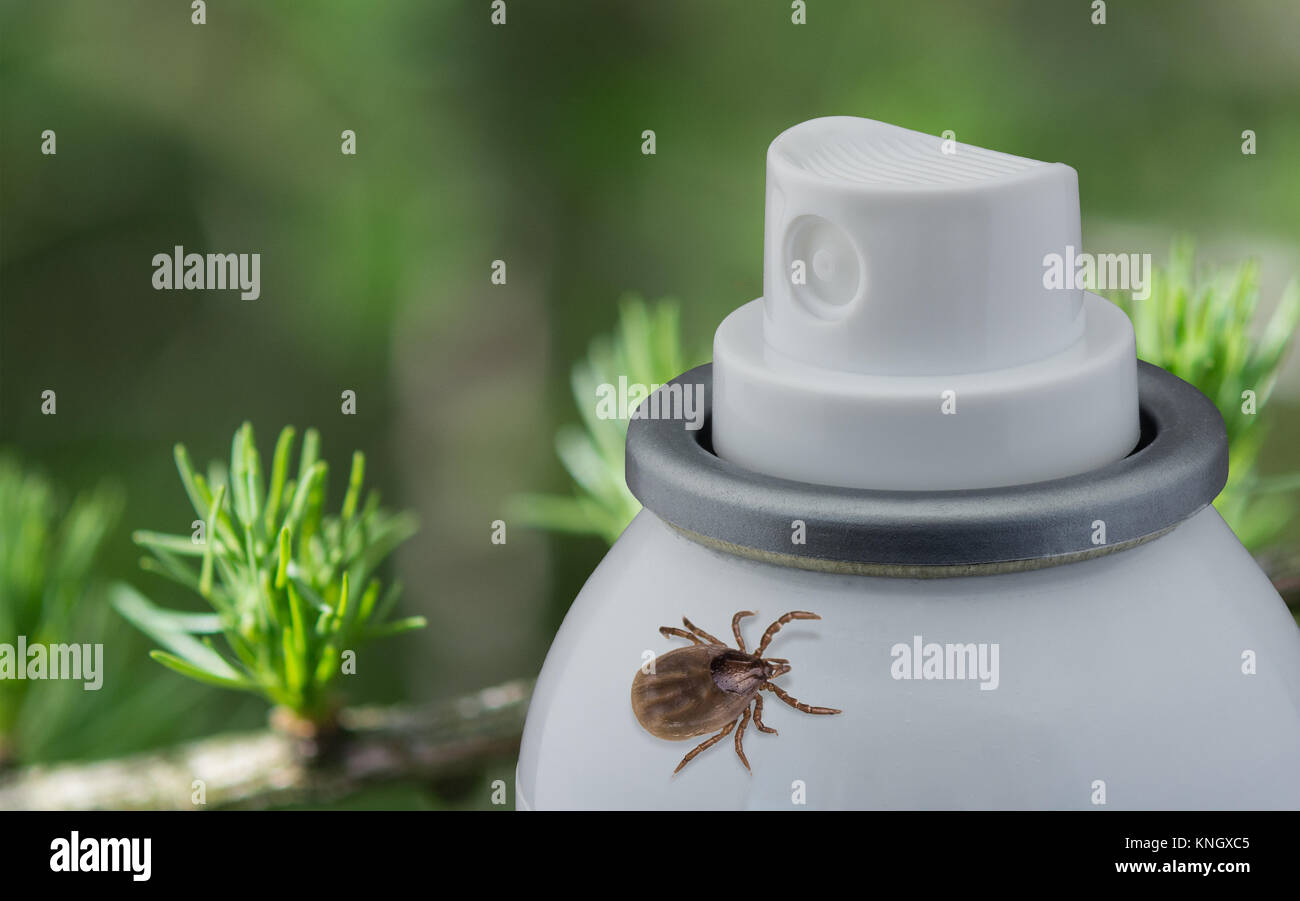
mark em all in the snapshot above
pixel 1165 676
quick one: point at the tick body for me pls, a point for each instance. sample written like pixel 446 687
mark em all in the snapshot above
pixel 705 688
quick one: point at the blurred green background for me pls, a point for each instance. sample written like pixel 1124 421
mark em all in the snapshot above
pixel 519 143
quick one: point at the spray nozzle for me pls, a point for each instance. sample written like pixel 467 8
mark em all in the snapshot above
pixel 894 252
pixel 908 336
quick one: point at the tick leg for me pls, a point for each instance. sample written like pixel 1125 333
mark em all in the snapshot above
pixel 776 627
pixel 735 627
pixel 700 632
pixel 740 733
pixel 705 746
pixel 758 717
pixel 796 704
pixel 669 632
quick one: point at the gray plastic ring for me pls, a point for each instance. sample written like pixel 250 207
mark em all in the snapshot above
pixel 1178 467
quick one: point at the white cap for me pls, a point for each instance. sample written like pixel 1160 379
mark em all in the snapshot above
pixel 907 337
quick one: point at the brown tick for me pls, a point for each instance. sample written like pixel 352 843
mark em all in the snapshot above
pixel 696 690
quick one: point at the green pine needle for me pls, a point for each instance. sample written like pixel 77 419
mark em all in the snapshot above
pixel 49 550
pixel 1197 324
pixel 645 349
pixel 292 586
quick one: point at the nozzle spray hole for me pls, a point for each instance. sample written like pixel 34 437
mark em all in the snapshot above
pixel 825 269
pixel 824 265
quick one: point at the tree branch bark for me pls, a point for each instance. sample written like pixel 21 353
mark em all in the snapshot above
pixel 268 768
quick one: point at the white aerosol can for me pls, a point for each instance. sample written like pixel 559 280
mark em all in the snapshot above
pixel 991 523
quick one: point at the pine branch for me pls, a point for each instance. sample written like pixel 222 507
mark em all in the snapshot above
pixel 268 768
